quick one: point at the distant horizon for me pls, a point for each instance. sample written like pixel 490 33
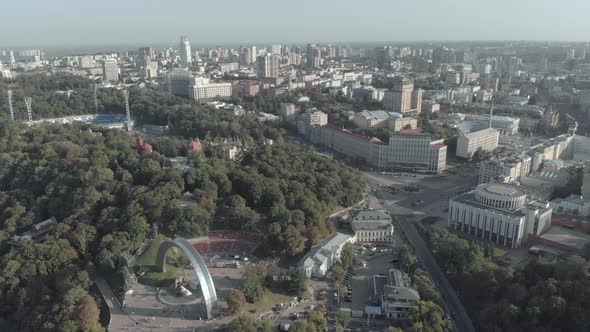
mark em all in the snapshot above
pixel 91 48
pixel 297 42
pixel 71 23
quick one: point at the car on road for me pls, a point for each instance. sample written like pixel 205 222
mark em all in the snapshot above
pixel 453 316
pixel 418 203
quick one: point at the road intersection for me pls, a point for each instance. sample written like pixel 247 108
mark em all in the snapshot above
pixel 433 198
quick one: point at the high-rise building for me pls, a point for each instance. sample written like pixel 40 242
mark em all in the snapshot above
pixel 110 70
pixel 294 59
pixel 145 55
pixel 150 71
pixel 254 54
pixel 186 58
pixel 443 55
pixel 403 98
pixel 383 56
pixel 86 61
pixel 570 54
pixel 310 119
pixel 416 103
pixel 177 82
pixel 484 140
pixel 246 56
pixel 275 49
pixel 267 66
pixel 314 56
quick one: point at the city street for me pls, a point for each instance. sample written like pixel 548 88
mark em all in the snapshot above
pixel 434 195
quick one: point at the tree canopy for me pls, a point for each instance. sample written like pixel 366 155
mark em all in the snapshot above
pixel 538 297
pixel 106 197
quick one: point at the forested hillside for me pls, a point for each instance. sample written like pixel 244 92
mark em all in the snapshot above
pixel 106 197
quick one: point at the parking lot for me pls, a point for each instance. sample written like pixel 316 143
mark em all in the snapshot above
pixel 362 282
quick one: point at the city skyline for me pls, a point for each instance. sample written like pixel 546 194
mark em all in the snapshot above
pixel 235 22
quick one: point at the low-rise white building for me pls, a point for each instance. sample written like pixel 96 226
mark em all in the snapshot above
pixel 504 124
pixel 378 119
pixel 372 226
pixel 397 296
pixel 310 119
pixel 573 205
pixel 499 213
pixel 370 119
pixel 201 89
pixel 469 143
pixel 324 255
pixel 506 170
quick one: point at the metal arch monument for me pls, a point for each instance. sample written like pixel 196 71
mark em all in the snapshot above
pixel 198 264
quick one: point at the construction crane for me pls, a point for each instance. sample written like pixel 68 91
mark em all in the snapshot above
pixel 9 92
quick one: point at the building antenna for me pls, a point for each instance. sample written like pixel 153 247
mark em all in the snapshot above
pixel 10 108
pixel 28 102
pixel 126 95
pixel 95 98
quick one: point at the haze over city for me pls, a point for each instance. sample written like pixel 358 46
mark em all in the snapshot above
pixel 111 22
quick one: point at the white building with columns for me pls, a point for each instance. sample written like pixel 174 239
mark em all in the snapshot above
pixel 372 226
pixel 499 213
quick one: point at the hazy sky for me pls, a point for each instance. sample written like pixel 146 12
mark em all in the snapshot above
pixel 73 22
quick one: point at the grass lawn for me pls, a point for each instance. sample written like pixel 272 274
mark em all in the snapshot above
pixel 149 256
pixel 148 260
pixel 499 252
pixel 268 301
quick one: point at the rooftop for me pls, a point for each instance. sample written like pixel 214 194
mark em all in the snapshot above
pixel 572 199
pixel 501 189
pixel 480 133
pixel 469 199
pixel 404 294
pixel 319 253
pixel 399 278
pixel 348 132
pixel 377 115
pixel 566 237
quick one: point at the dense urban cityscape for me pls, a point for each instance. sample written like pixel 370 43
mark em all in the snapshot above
pixel 316 186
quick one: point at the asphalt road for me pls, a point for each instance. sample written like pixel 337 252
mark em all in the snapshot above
pixel 119 319
pixel 451 301
pixel 435 195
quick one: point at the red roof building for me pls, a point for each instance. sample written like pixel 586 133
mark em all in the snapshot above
pixel 143 147
pixel 195 146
